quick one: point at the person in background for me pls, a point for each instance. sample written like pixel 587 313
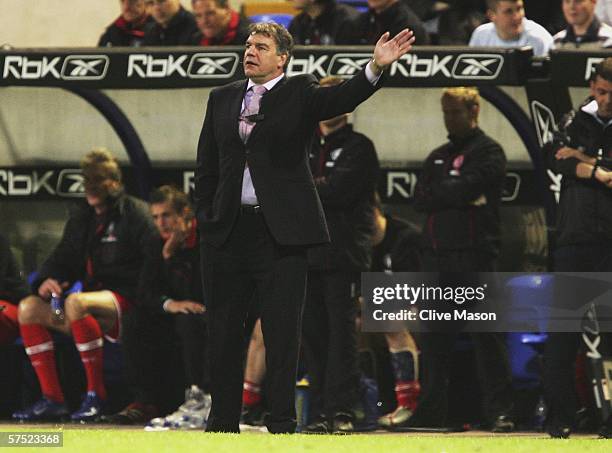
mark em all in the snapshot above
pixel 12 290
pixel 387 15
pixel 111 244
pixel 173 216
pixel 584 30
pixel 510 28
pixel 218 24
pixel 322 22
pixel 173 25
pixel 128 29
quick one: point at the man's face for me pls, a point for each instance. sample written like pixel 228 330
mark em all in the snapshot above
pixel 380 5
pixel 579 12
pixel 261 63
pixel 601 90
pixel 97 189
pixel 132 10
pixel 163 10
pixel 508 19
pixel 212 20
pixel 165 218
pixel 459 118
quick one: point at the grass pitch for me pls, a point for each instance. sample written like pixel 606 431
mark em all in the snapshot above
pixel 111 440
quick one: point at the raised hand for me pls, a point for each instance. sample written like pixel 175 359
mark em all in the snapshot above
pixel 389 50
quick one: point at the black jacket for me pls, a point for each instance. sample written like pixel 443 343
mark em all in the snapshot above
pixel 122 33
pixel 455 175
pixel 12 285
pixel 585 206
pixel 276 153
pixel 333 26
pixel 182 271
pixel 370 26
pixel 345 167
pixel 120 252
pixel 179 32
pixel 399 249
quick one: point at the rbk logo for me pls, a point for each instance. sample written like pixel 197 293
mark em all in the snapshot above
pixel 477 66
pixel 220 65
pixel 85 67
pixel 544 121
pixel 70 183
pixel 347 64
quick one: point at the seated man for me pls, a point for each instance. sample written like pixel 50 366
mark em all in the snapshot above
pixel 510 28
pixel 218 24
pixel 12 290
pixel 129 28
pixel 111 244
pixel 584 30
pixel 177 226
pixel 173 26
pixel 387 15
pixel 322 22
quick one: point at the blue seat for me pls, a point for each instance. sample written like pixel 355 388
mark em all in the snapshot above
pixel 281 19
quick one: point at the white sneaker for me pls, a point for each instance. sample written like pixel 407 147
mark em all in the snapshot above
pixel 192 414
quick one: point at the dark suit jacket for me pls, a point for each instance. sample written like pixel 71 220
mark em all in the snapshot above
pixel 276 152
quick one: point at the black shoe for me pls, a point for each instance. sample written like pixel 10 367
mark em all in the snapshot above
pixel 605 432
pixel 502 424
pixel 342 423
pixel 253 415
pixel 559 431
pixel 134 414
pixel 320 426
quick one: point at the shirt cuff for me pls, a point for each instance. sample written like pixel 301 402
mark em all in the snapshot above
pixel 165 305
pixel 369 73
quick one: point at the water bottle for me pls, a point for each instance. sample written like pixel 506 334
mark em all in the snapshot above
pixel 302 403
pixel 57 307
pixel 540 414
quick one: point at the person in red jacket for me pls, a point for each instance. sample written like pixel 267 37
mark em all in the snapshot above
pixel 218 24
pixel 128 29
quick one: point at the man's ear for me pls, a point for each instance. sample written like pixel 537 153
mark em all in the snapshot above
pixel 283 57
pixel 490 14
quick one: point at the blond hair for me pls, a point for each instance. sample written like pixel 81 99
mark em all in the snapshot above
pixel 467 95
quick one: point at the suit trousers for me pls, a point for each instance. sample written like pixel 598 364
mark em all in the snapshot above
pixel 251 260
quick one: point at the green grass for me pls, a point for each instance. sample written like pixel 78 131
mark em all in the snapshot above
pixel 114 441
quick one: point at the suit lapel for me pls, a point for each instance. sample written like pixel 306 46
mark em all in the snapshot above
pixel 235 106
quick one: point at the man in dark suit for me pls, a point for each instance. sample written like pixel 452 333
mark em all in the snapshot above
pixel 258 211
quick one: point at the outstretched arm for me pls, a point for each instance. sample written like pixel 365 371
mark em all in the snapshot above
pixel 389 50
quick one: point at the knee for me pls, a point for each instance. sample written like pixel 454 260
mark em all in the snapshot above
pixel 74 307
pixel 31 310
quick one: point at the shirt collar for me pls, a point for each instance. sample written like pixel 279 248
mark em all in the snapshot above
pixel 269 84
pixel 591 109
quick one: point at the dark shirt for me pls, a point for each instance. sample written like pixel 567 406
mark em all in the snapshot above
pixel 236 33
pixel 333 26
pixel 179 32
pixel 370 26
pixel 122 33
pixel 12 285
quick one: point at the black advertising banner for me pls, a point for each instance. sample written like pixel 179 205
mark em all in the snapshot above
pixel 395 185
pixel 192 67
pixel 574 67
